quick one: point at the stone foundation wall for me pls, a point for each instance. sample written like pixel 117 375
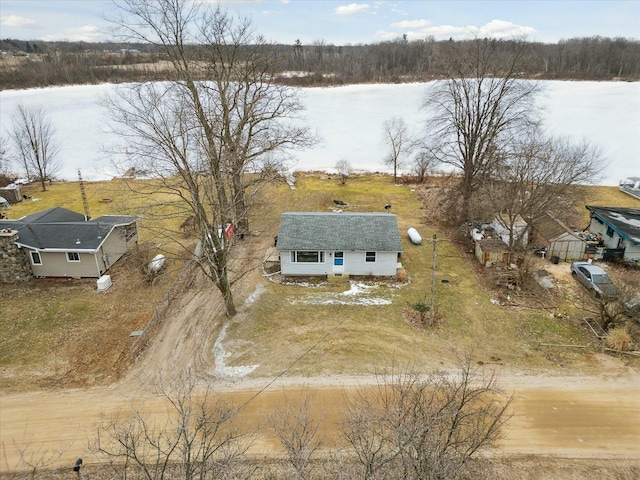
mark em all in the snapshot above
pixel 14 264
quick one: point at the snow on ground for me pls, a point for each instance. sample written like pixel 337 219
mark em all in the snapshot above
pixel 350 122
pixel 223 370
pixel 358 294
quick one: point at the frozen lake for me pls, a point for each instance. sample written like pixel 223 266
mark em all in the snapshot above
pixel 350 121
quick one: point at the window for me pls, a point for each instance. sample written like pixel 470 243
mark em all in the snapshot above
pixel 35 258
pixel 338 259
pixel 73 257
pixel 610 232
pixel 370 256
pixel 307 257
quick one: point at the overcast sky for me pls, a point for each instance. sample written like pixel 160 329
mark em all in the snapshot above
pixel 353 22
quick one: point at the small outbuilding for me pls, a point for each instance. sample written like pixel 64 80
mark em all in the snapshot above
pixel 12 193
pixel 561 242
pixel 339 243
pixel 490 251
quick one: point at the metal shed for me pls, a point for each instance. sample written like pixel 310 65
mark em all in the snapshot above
pixel 559 239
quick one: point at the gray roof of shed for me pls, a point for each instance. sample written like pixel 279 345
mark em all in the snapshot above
pixel 339 231
pixel 62 229
pixel 551 228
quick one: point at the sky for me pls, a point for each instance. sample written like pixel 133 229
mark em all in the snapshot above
pixel 349 122
pixel 352 22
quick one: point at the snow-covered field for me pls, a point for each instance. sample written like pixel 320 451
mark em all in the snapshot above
pixel 350 121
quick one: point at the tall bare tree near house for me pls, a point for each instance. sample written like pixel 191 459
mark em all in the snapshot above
pixel 33 137
pixel 426 427
pixel 212 143
pixel 399 142
pixel 541 175
pixel 482 106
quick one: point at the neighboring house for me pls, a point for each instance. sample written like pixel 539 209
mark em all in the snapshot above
pixel 501 226
pixel 631 186
pixel 61 243
pixel 560 240
pixel 618 231
pixel 314 243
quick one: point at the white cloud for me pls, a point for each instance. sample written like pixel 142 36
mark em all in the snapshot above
pixel 86 33
pixel 352 8
pixel 502 29
pixel 411 24
pixel 18 22
pixel 419 29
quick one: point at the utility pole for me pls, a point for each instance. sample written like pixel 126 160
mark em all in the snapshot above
pixel 433 280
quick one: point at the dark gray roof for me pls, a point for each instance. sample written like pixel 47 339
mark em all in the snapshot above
pixel 625 221
pixel 339 231
pixel 62 229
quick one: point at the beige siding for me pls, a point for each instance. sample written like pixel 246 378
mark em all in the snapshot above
pixel 55 264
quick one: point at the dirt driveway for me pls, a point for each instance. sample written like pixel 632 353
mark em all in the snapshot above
pixel 589 417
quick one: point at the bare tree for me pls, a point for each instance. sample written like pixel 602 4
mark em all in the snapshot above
pixel 198 438
pixel 211 143
pixel 482 106
pixel 297 430
pixel 33 138
pixel 398 139
pixel 427 427
pixel 4 155
pixel 541 175
pixel 344 170
pixel 422 164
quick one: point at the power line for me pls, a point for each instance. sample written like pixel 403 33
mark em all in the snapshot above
pixel 292 364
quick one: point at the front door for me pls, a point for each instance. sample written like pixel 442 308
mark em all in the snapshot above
pixel 338 262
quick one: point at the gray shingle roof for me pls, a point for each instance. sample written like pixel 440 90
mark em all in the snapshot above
pixel 59 228
pixel 339 231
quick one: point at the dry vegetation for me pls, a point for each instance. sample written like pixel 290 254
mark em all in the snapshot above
pixel 61 333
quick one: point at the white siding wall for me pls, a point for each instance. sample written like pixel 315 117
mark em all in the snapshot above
pixel 601 228
pixel 631 252
pixel 354 264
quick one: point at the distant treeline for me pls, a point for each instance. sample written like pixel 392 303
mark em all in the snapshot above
pixel 25 64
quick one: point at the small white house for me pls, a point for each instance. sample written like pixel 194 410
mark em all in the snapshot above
pixel 315 243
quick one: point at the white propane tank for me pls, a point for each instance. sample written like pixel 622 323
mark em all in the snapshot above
pixel 414 236
pixel 157 263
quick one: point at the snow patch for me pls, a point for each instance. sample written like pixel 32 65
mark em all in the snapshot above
pixel 251 299
pixel 358 294
pixel 219 354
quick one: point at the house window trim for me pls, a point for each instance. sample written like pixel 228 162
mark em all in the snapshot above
pixel 370 257
pixel 70 260
pixel 33 262
pixel 295 259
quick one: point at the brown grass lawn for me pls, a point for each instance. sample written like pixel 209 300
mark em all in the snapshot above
pixel 63 333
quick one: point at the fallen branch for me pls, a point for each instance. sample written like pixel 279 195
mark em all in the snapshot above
pixel 633 353
pixel 561 345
